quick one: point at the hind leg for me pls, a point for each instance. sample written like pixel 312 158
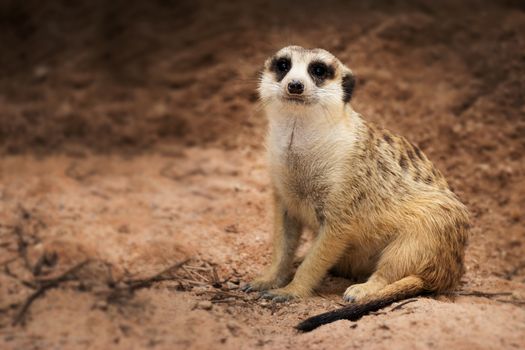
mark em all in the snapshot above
pixel 398 260
pixel 356 265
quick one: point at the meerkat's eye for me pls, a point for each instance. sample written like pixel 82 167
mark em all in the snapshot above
pixel 280 66
pixel 319 70
pixel 283 65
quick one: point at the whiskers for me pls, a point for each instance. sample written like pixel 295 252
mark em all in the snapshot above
pixel 329 103
pixel 261 104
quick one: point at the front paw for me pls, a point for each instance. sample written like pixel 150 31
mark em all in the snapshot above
pixel 261 284
pixel 282 294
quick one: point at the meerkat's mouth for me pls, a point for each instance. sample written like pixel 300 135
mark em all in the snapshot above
pixel 296 99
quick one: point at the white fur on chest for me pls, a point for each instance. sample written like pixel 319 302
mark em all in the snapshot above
pixel 307 158
pixel 307 135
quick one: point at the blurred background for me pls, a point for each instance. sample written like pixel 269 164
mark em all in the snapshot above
pixel 128 75
pixel 131 136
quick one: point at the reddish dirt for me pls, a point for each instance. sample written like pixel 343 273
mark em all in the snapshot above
pixel 132 140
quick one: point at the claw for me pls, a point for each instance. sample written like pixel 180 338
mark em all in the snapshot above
pixel 349 298
pixel 277 298
pixel 266 295
pixel 281 298
pixel 247 288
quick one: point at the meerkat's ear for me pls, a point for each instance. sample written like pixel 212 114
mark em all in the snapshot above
pixel 348 83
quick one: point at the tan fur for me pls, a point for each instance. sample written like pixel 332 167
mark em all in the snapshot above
pixel 380 209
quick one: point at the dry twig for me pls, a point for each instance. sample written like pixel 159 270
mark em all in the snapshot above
pixel 126 288
pixel 135 284
pixel 490 295
pixel 399 306
pixel 45 285
pixel 476 293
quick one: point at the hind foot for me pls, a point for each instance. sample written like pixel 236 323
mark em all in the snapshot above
pixel 358 292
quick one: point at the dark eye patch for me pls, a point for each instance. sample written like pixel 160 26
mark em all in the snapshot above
pixel 280 66
pixel 320 72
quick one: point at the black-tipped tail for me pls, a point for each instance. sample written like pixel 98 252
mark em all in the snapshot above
pixel 404 288
pixel 352 312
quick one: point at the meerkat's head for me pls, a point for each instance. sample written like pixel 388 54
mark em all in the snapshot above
pixel 297 79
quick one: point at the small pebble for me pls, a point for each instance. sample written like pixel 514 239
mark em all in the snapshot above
pixel 201 290
pixel 231 285
pixel 204 305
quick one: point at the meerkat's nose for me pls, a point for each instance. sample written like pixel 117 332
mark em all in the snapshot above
pixel 295 87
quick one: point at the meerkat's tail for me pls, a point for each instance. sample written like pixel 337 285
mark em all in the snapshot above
pixel 404 288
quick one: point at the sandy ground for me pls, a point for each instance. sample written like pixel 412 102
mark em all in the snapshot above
pixel 134 197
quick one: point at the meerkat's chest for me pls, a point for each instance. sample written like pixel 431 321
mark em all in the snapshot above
pixel 302 185
pixel 300 176
pixel 305 167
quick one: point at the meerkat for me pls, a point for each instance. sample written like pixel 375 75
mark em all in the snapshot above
pixel 381 212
